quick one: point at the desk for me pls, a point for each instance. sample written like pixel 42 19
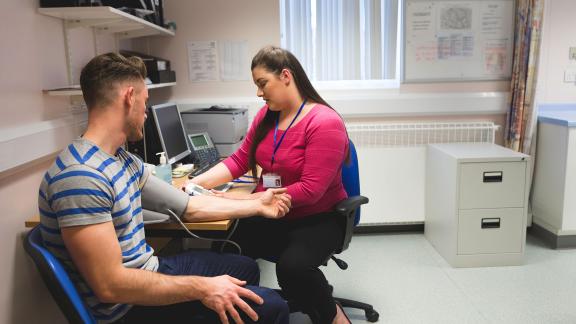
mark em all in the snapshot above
pixel 169 229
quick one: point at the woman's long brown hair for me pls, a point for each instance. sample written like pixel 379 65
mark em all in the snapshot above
pixel 274 59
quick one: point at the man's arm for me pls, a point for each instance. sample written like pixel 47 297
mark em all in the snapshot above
pixel 97 255
pixel 159 196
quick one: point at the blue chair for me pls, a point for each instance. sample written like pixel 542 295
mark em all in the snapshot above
pixel 349 210
pixel 57 280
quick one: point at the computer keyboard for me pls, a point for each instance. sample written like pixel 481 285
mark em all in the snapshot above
pixel 203 168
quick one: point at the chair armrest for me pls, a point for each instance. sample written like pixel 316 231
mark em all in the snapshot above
pixel 350 204
pixel 347 210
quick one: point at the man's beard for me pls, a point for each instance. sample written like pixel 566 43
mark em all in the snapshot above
pixel 134 132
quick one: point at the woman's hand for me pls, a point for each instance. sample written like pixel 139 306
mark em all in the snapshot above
pixel 275 203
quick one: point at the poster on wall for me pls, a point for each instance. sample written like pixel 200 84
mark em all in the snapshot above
pixel 451 40
pixel 202 61
pixel 218 61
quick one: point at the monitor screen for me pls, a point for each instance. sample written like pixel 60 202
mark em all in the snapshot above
pixel 171 131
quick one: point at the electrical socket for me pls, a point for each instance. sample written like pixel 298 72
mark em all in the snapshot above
pixel 572 54
pixel 77 105
pixel 570 76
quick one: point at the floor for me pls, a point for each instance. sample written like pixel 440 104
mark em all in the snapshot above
pixel 407 281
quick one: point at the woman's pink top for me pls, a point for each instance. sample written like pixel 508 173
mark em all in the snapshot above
pixel 309 160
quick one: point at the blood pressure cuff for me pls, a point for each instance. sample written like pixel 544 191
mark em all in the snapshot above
pixel 157 196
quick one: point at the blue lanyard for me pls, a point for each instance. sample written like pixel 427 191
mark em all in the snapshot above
pixel 276 146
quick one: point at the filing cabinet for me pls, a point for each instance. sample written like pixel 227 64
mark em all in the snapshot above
pixel 476 203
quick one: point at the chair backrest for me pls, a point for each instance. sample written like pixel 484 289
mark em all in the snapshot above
pixel 57 280
pixel 351 178
pixel 349 208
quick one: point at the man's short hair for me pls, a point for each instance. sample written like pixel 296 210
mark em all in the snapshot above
pixel 104 72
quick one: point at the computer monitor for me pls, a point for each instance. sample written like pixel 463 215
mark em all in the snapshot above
pixel 171 131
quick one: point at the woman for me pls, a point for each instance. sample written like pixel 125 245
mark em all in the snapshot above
pixel 300 143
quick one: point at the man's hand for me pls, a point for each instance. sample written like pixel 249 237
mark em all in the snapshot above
pixel 275 203
pixel 223 293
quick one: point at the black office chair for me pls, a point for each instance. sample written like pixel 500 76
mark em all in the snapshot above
pixel 57 280
pixel 349 210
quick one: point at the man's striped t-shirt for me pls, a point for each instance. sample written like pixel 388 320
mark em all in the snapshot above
pixel 85 185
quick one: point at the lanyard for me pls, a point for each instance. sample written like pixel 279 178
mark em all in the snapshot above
pixel 276 146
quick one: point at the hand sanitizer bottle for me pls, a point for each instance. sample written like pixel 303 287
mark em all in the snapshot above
pixel 164 170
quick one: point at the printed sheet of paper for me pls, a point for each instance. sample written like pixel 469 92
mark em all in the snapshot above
pixel 202 61
pixel 234 61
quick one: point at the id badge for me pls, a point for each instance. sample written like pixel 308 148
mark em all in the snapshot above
pixel 271 180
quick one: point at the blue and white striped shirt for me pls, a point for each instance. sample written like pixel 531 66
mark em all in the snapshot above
pixel 85 185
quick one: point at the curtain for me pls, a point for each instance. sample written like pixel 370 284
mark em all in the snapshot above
pixel 521 118
pixel 297 33
pixel 342 39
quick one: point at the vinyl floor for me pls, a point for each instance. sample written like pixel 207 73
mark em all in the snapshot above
pixel 407 281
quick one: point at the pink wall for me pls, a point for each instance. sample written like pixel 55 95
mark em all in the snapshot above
pixel 257 21
pixel 32 59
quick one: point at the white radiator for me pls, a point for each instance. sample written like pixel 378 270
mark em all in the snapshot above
pixel 392 166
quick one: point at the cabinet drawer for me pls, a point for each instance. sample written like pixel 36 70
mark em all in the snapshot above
pixel 492 184
pixel 491 231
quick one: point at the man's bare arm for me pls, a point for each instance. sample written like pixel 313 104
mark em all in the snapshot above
pixel 160 196
pixel 97 255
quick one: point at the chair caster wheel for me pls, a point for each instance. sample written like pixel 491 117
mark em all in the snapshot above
pixel 372 315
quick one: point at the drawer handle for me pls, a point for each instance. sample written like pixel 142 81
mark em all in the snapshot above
pixel 491 222
pixel 492 176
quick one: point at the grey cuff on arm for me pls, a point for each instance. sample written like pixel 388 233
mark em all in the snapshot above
pixel 158 196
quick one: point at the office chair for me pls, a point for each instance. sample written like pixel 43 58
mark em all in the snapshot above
pixel 57 280
pixel 349 210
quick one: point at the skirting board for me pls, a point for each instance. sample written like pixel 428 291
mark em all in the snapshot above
pixel 389 228
pixel 555 241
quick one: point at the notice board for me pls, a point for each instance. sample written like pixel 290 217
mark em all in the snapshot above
pixel 452 40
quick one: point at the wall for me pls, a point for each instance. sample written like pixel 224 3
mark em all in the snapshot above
pixel 32 59
pixel 558 36
pixel 33 127
pixel 421 102
pixel 257 22
pixel 23 298
pixel 253 20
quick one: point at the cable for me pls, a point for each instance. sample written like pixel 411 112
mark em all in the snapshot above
pixel 224 241
pixel 227 239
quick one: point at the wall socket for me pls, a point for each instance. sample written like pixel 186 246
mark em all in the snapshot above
pixel 572 54
pixel 570 76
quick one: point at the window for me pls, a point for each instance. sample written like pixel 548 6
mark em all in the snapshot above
pixel 339 40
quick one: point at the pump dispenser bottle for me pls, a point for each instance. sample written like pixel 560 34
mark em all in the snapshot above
pixel 164 170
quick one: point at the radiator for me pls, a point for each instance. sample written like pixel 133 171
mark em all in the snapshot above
pixel 392 164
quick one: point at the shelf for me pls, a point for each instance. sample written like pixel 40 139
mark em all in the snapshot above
pixel 160 85
pixel 75 90
pixel 106 20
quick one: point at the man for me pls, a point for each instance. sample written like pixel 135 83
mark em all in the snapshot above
pixel 91 203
